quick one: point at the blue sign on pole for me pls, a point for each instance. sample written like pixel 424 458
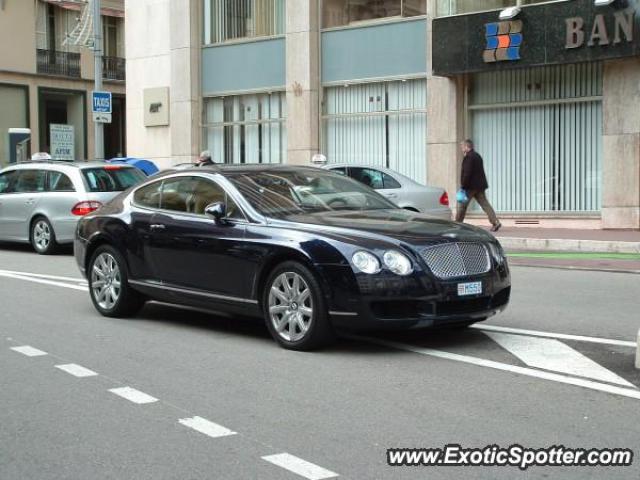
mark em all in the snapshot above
pixel 101 102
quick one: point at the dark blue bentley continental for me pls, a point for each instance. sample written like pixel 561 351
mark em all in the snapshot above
pixel 309 250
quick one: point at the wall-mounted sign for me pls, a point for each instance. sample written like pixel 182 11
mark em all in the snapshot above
pixel 604 30
pixel 156 107
pixel 556 33
pixel 62 142
pixel 504 40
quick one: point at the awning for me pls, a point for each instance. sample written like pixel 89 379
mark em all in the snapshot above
pixel 78 5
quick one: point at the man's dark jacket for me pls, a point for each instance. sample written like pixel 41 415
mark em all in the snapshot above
pixel 473 176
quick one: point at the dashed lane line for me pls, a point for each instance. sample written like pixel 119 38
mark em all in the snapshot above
pixel 529 372
pixel 29 351
pixel 202 425
pixel 133 395
pixel 560 336
pixel 77 370
pixel 206 427
pixel 300 467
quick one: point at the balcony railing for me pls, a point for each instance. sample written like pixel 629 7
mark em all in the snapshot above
pixel 53 62
pixel 113 68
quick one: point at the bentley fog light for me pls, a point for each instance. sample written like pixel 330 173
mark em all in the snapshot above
pixel 397 262
pixel 366 262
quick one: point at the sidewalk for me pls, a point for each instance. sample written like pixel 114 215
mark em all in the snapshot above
pixel 604 250
pixel 567 240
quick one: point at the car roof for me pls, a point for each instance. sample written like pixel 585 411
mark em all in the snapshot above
pixel 225 169
pixel 46 164
pixel 397 175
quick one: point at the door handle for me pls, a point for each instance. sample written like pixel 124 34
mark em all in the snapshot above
pixel 390 195
pixel 157 226
pixel 30 201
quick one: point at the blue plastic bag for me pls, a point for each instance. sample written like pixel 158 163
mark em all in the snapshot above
pixel 461 196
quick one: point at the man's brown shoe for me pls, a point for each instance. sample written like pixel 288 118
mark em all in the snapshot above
pixel 496 227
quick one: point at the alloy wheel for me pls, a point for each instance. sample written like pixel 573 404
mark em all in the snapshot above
pixel 106 281
pixel 42 235
pixel 290 306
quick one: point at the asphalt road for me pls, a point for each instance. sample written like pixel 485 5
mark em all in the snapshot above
pixel 339 409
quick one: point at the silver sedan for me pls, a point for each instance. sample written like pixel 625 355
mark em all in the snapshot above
pixel 401 190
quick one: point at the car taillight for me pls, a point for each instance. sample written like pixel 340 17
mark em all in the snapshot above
pixel 444 199
pixel 82 208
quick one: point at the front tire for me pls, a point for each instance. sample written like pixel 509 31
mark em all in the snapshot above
pixel 294 308
pixel 43 238
pixel 109 286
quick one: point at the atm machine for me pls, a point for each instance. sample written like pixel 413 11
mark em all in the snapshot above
pixel 19 143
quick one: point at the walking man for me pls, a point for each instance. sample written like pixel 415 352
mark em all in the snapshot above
pixel 474 181
pixel 205 159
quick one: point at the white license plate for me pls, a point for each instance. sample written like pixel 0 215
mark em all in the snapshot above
pixel 472 288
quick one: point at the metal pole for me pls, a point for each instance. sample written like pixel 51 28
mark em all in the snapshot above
pixel 97 54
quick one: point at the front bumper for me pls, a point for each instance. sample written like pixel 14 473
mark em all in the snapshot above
pixel 382 302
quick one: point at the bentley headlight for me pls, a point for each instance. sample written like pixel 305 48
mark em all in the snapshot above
pixel 497 253
pixel 397 262
pixel 366 262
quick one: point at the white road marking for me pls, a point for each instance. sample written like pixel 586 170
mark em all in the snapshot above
pixel 553 355
pixel 300 467
pixel 77 370
pixel 42 275
pixel 562 336
pixel 203 425
pixel 29 351
pixel 529 372
pixel 4 273
pixel 133 395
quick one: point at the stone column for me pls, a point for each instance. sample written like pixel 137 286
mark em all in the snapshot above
pixel 621 144
pixel 445 123
pixel 185 41
pixel 303 83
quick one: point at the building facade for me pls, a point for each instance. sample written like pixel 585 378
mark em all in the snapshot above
pixel 550 95
pixel 47 75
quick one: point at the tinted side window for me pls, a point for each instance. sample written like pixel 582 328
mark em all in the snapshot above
pixel 148 196
pixel 370 177
pixel 193 194
pixel 59 182
pixel 390 182
pixel 31 181
pixel 5 181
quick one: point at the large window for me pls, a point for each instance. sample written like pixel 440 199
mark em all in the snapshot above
pixel 456 7
pixel 226 20
pixel 246 128
pixel 382 124
pixel 540 133
pixel 337 13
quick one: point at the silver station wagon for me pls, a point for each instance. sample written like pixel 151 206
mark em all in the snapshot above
pixel 41 201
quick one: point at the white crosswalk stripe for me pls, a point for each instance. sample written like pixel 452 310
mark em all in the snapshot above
pixel 29 351
pixel 555 356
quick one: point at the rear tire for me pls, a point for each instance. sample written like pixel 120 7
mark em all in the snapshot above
pixel 109 286
pixel 43 238
pixel 294 308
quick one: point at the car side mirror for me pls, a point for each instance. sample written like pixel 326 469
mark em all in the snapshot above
pixel 217 210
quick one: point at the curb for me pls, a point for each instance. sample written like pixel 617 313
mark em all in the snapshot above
pixel 576 268
pixel 568 245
